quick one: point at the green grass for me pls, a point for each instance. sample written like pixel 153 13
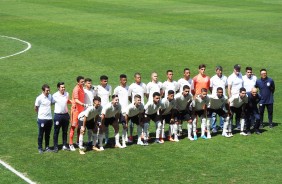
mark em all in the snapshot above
pixel 91 38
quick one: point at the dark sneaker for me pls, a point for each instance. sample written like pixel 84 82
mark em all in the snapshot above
pixel 56 150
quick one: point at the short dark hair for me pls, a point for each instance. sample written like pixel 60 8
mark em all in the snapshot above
pixel 122 76
pixel 204 90
pixel 137 96
pixel 45 86
pixel 156 94
pixel 219 88
pixel 249 68
pixel 59 84
pixel 104 77
pixel 114 96
pixel 96 98
pixel 88 79
pixel 170 92
pixel 168 71
pixel 218 68
pixel 202 66
pixel 185 69
pixel 79 78
pixel 262 70
pixel 185 87
pixel 242 89
pixel 137 73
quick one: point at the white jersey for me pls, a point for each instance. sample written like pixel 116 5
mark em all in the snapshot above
pixel 135 89
pixel 167 105
pixel 182 82
pixel 61 102
pixel 216 82
pixel 110 111
pixel 249 83
pixel 89 95
pixel 236 101
pixel 152 108
pixel 236 82
pixel 181 101
pixel 153 87
pixel 104 94
pixel 90 113
pixel 44 106
pixel 217 103
pixel 198 103
pixel 122 93
pixel 132 110
pixel 170 86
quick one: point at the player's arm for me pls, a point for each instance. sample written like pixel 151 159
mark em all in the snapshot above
pixel 229 90
pixel 79 102
pixel 36 108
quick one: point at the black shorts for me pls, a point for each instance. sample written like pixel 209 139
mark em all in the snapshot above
pixel 184 115
pixel 199 113
pixel 154 117
pixel 134 119
pixel 237 111
pixel 121 119
pixel 167 118
pixel 109 121
pixel 89 124
pixel 219 112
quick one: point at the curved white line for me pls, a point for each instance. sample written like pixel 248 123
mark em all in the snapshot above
pixel 28 46
pixel 17 172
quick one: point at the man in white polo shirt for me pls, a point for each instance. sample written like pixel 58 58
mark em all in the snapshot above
pixel 88 119
pixel 61 115
pixel 186 80
pixel 183 101
pixel 110 116
pixel 44 117
pixel 249 79
pixel 135 113
pixel 153 86
pixel 237 105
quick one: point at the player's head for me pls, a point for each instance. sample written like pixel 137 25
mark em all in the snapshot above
pixel 202 68
pixel 97 101
pixel 242 92
pixel 88 83
pixel 186 73
pixel 237 69
pixel 154 76
pixel 137 100
pixel 249 71
pixel 156 97
pixel 170 95
pixel 186 90
pixel 254 91
pixel 218 71
pixel 123 79
pixel 263 73
pixel 204 92
pixel 115 100
pixel 219 92
pixel 104 80
pixel 61 87
pixel 45 89
pixel 137 77
pixel 80 80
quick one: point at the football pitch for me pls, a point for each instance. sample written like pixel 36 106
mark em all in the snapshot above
pixel 57 40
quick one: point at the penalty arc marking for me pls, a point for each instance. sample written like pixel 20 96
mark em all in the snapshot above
pixel 26 49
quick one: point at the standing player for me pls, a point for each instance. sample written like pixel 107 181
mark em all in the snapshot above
pixel 170 84
pixel 151 113
pixel 76 108
pixel 136 88
pixel 44 117
pixel 266 88
pixel 183 101
pixel 153 86
pixel 218 80
pixel 167 111
pixel 110 116
pixel 104 92
pixel 200 81
pixel 122 92
pixel 88 119
pixel 249 80
pixel 61 115
pixel 186 80
pixel 219 104
pixel 237 105
pixel 135 113
pixel 199 108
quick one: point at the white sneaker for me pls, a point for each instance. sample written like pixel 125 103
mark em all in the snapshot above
pixel 118 145
pixel 176 139
pixel 243 133
pixel 230 134
pixel 190 138
pixel 209 136
pixel 65 148
pixel 81 152
pixel 140 143
pixel 101 148
pixel 124 145
pixel 72 147
pixel 225 135
pixel 81 147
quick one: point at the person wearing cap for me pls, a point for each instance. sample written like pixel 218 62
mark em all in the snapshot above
pixel 235 82
pixel 218 80
pixel 266 88
pixel 249 79
pixel 200 81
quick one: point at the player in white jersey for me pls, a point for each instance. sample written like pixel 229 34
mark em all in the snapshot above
pixel 110 116
pixel 135 113
pixel 186 80
pixel 235 82
pixel 89 91
pixel 183 101
pixel 151 113
pixel 136 88
pixel 89 119
pixel 199 108
pixel 104 91
pixel 153 86
pixel 167 112
pixel 218 80
pixel 219 104
pixel 249 79
pixel 237 105
pixel 122 92
pixel 170 84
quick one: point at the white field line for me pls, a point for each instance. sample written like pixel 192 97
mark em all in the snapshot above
pixel 26 49
pixel 16 172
